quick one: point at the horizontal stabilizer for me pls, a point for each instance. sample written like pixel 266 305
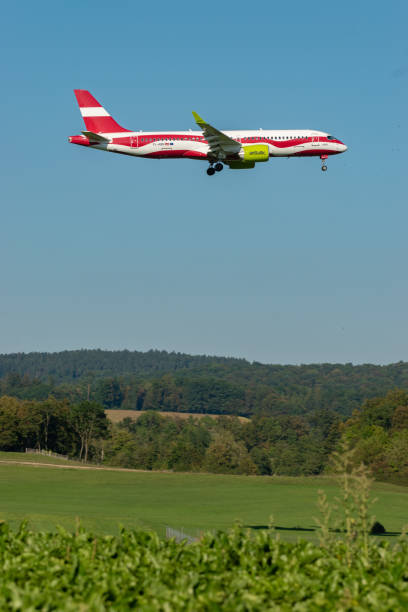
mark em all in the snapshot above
pixel 95 137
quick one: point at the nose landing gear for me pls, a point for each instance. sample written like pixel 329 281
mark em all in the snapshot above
pixel 323 158
pixel 214 168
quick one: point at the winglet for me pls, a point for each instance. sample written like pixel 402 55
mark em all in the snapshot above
pixel 198 119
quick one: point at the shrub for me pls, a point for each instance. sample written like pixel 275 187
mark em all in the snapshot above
pixel 234 571
pixel 377 529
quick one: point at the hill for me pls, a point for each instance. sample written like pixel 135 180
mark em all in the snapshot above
pixel 158 380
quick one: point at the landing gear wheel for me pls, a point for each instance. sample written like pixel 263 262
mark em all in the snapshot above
pixel 324 168
pixel 218 167
pixel 210 171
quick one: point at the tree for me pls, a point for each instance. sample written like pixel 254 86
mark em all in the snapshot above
pixel 380 410
pixel 20 422
pixel 9 424
pixel 89 421
pixel 120 448
pixel 262 460
pixel 400 418
pixel 53 428
pixel 396 453
pixel 225 455
pixel 109 393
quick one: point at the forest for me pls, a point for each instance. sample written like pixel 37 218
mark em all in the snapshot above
pixel 266 444
pixel 158 380
pixel 297 414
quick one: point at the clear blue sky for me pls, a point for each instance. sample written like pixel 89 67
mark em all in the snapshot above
pixel 281 264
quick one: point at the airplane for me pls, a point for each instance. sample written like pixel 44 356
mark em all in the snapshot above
pixel 239 149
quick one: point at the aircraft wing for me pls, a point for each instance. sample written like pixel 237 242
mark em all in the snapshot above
pixel 221 145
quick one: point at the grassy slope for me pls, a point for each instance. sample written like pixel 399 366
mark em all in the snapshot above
pixel 34 458
pixel 103 500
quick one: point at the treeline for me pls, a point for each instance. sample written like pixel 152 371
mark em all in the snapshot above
pixel 51 425
pixel 193 393
pixel 267 444
pixel 378 433
pixel 288 445
pixel 157 380
pixel 66 366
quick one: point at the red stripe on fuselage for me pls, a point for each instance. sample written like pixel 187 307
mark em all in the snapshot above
pixel 145 140
pixel 139 141
pixel 173 154
pixel 313 153
pixel 197 155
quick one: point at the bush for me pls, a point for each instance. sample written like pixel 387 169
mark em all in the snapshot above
pixel 377 529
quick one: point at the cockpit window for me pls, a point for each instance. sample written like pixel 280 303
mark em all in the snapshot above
pixel 330 137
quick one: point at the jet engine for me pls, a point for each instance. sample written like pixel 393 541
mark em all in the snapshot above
pixel 254 153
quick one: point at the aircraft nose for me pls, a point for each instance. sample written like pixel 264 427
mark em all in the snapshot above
pixel 343 147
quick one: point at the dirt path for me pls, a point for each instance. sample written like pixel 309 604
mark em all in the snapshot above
pixel 72 467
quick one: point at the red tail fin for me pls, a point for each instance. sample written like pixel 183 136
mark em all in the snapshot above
pixel 96 118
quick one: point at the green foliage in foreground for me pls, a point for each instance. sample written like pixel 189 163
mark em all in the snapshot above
pixel 231 571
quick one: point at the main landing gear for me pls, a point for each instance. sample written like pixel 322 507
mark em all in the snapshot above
pixel 214 168
pixel 323 158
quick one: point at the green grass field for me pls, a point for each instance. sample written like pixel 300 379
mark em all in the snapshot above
pixel 103 500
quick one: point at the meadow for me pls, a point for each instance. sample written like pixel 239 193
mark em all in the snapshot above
pixel 105 499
